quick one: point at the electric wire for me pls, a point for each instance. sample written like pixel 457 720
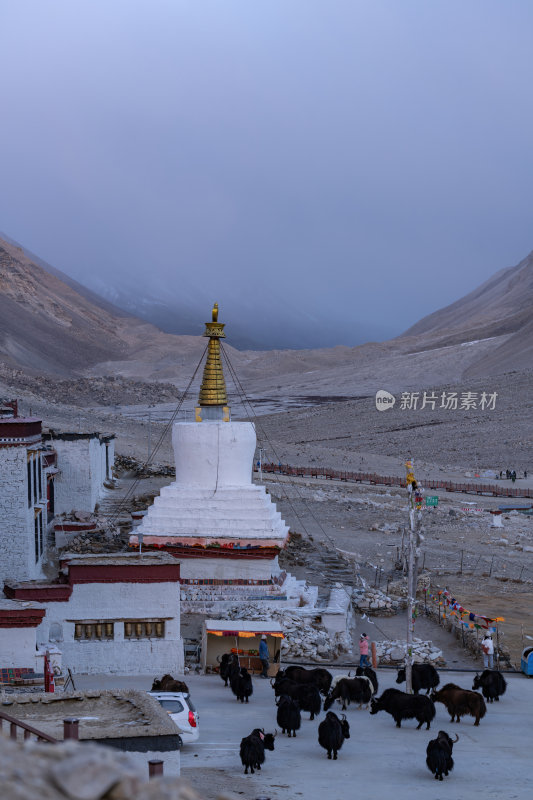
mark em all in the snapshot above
pixel 157 446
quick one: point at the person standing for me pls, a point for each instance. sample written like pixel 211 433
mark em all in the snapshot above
pixel 488 651
pixel 263 655
pixel 363 650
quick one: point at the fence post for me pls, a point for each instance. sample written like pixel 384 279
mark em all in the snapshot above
pixel 71 728
pixel 155 768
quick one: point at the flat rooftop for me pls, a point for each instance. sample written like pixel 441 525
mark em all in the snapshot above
pixel 118 559
pixel 102 714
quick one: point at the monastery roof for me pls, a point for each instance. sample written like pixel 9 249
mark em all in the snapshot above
pixel 18 420
pixel 18 605
pixel 146 558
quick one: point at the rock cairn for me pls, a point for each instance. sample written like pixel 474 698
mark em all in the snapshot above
pixel 394 652
pixel 375 601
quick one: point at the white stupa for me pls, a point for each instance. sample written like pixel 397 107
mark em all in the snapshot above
pixel 219 524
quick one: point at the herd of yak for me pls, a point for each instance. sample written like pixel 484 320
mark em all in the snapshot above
pixel 297 689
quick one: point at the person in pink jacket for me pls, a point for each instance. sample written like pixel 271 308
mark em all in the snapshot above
pixel 363 650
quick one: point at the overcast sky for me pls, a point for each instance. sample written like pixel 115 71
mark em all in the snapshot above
pixel 365 162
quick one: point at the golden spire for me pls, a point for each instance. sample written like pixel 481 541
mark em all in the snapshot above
pixel 213 390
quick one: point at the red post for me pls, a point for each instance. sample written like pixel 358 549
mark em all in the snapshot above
pixel 71 728
pixel 155 768
pixel 49 685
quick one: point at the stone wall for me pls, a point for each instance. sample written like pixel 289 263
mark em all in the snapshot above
pixel 229 568
pixel 117 603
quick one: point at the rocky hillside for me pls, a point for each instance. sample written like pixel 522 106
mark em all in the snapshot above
pixel 502 305
pixel 51 325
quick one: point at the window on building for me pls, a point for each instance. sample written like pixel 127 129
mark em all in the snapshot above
pixel 40 474
pixel 41 534
pixel 95 630
pixel 29 481
pixel 34 461
pixel 144 629
pixel 36 537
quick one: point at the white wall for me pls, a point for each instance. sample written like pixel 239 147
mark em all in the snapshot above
pixel 259 569
pixel 17 648
pixel 17 543
pixel 81 464
pixel 118 602
pixel 213 454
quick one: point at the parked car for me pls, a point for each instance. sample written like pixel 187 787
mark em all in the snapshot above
pixel 181 709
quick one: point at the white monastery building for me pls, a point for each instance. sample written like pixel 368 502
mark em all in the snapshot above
pixel 117 612
pixel 42 475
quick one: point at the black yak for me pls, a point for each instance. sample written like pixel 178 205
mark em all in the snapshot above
pixel 404 706
pixel 228 663
pixel 252 750
pixel 439 755
pixel 307 695
pixel 424 676
pixel 332 732
pixel 288 717
pixel 319 676
pixel 241 684
pixel 492 684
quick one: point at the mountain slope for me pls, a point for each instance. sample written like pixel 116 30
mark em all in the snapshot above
pixel 501 305
pixel 46 324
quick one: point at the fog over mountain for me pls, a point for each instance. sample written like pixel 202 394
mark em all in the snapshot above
pixel 330 173
pixel 50 323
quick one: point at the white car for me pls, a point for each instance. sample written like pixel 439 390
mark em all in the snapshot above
pixel 180 708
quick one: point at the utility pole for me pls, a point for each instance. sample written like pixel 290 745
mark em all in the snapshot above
pixel 149 436
pixel 414 510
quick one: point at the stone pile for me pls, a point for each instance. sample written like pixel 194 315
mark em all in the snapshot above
pixel 394 652
pixel 130 464
pixel 82 772
pixel 102 539
pixel 374 601
pixel 304 638
pixel 399 588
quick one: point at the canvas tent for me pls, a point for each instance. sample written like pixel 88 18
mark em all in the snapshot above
pixel 243 637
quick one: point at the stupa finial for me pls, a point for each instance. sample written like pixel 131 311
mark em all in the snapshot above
pixel 213 399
